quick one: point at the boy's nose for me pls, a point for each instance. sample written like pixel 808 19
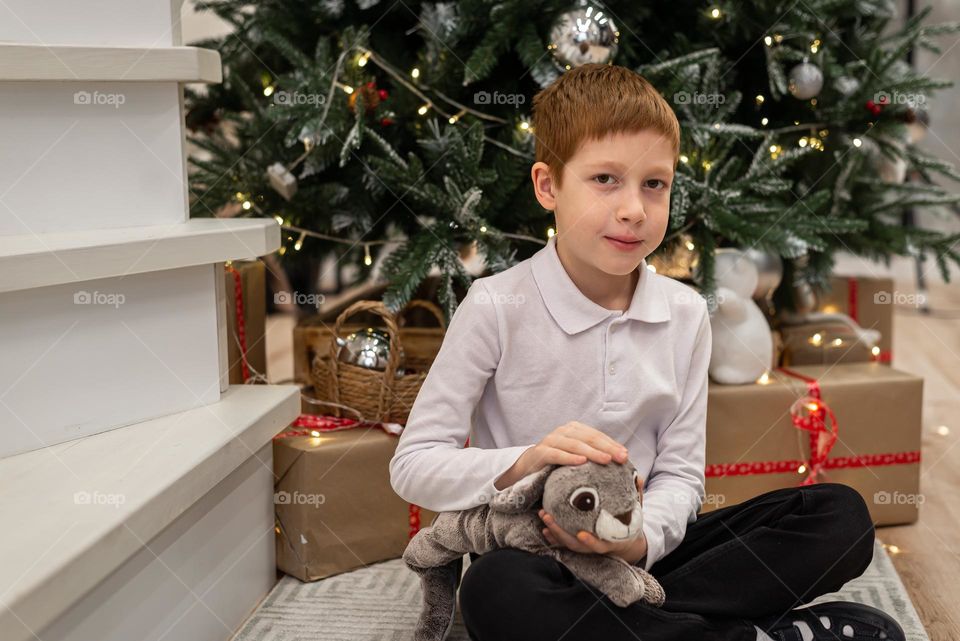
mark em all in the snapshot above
pixel 632 210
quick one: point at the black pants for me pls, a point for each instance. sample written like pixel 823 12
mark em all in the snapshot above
pixel 762 557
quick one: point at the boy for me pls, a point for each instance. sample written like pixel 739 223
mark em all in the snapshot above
pixel 581 353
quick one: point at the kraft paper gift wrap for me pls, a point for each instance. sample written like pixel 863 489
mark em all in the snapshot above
pixel 753 446
pixel 335 508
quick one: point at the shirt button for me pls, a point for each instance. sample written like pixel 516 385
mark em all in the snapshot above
pixel 613 370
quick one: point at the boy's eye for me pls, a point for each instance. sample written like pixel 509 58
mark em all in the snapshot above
pixel 657 183
pixel 604 179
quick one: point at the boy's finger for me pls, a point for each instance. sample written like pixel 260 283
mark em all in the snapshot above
pixel 558 532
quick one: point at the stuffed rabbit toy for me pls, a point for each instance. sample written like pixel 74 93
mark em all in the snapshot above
pixel 600 499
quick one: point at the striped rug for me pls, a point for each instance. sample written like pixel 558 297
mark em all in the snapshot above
pixel 381 602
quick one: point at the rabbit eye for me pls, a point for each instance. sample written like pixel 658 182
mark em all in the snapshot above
pixel 584 499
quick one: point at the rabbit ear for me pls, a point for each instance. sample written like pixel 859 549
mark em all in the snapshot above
pixel 522 495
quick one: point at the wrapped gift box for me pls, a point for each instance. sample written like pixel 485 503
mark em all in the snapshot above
pixel 753 445
pixel 869 301
pixel 249 277
pixel 822 345
pixel 335 508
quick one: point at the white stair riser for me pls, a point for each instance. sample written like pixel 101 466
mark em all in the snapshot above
pixel 198 579
pixel 86 358
pixel 90 155
pixel 132 23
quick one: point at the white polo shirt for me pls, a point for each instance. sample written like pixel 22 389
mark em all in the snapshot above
pixel 526 352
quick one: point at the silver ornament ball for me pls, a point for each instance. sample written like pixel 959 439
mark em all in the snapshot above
pixel 369 348
pixel 582 36
pixel 806 81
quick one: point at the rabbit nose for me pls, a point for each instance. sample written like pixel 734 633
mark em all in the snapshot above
pixel 625 517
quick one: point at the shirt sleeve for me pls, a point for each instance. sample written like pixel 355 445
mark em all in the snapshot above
pixel 430 466
pixel 674 491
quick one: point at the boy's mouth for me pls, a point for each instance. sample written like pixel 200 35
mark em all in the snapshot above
pixel 623 242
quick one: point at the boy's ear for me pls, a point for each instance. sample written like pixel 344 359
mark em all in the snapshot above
pixel 543 185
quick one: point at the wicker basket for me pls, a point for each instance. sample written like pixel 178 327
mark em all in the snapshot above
pixel 380 396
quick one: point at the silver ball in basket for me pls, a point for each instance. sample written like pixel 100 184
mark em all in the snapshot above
pixel 368 348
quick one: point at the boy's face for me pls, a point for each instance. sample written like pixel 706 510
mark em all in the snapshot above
pixel 618 186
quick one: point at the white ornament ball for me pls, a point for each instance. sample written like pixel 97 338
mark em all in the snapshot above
pixel 806 81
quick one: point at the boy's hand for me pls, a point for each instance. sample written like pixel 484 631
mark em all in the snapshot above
pixel 571 444
pixel 586 543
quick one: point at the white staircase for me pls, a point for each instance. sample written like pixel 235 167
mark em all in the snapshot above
pixel 136 487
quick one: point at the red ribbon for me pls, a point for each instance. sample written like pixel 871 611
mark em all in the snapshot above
pixel 809 413
pixel 822 437
pixel 852 300
pixel 241 322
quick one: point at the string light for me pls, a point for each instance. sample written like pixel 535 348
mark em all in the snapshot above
pixel 362 61
pixel 892 549
pixel 690 245
pixel 366 255
pixel 775 151
pixel 764 378
pixel 247 204
pixel 483 229
pixel 715 13
pixel 267 91
pixel 759 99
pixel 524 125
pixel 423 110
pixel 767 40
pixel 706 165
pixel 347 89
pixel 815 45
pixel 550 232
pixel 764 121
pixel 684 159
pixel 802 142
pixel 652 268
pixel 875 350
pixel 943 430
pixel 279 219
pixel 857 142
pixel 415 73
pixel 297 245
pixel 315 433
pixel 777 38
pixel 801 469
pixel 816 339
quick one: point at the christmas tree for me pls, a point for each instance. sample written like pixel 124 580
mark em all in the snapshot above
pixel 368 124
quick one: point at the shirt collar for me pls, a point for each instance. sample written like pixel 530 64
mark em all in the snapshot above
pixel 575 312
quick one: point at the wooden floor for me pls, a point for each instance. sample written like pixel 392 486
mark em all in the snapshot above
pixel 927 554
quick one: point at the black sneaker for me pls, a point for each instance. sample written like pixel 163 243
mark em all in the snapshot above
pixel 834 621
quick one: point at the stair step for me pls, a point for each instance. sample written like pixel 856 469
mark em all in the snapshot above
pixel 89 63
pixel 39 260
pixel 78 510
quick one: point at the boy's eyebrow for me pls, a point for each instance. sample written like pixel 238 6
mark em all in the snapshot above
pixel 613 164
